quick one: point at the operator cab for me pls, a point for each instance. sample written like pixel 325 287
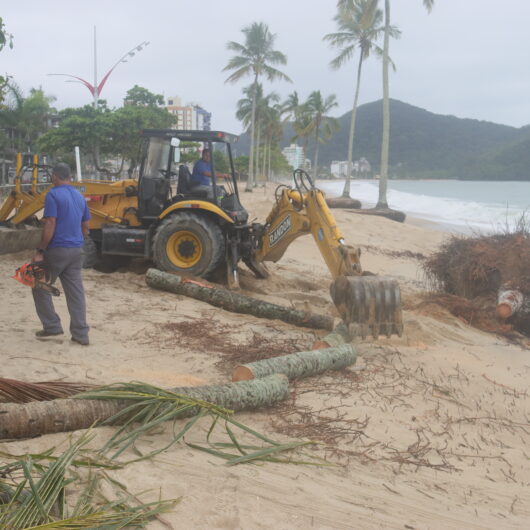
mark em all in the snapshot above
pixel 165 180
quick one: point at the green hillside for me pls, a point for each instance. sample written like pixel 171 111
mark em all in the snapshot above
pixel 428 145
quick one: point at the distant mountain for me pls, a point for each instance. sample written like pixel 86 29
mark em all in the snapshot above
pixel 427 145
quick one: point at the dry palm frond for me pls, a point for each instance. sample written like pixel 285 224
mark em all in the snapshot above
pixel 35 497
pixel 478 265
pixel 14 391
pixel 150 406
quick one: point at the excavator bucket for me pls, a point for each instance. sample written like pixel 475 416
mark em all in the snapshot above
pixel 368 305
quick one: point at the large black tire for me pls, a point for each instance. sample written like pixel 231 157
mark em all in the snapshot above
pixel 93 259
pixel 188 243
pixel 91 255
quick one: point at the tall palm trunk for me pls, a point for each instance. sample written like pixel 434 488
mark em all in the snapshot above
pixel 306 143
pixel 346 191
pixel 317 145
pixel 385 144
pixel 250 179
pixel 264 158
pixel 258 140
pixel 269 160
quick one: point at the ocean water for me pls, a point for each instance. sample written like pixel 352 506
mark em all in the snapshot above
pixel 458 206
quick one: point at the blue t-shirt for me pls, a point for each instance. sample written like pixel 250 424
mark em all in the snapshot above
pixel 70 209
pixel 198 178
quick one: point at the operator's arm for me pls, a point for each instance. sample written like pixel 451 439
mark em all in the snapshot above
pixel 85 229
pixel 47 233
pixel 85 220
pixel 218 175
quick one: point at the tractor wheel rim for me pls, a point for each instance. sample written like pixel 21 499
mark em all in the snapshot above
pixel 184 249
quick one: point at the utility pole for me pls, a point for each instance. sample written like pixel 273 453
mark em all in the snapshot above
pixel 95 92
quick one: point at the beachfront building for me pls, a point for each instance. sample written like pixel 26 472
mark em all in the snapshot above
pixel 360 168
pixel 339 169
pixel 295 156
pixel 203 119
pixel 190 116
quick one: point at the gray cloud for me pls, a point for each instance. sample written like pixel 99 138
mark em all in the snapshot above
pixel 467 58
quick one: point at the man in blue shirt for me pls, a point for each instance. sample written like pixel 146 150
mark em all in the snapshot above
pixel 66 219
pixel 201 177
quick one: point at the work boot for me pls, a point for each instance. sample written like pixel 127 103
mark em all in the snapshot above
pixel 43 333
pixel 83 342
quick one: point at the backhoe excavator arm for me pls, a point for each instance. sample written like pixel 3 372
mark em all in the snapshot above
pixel 367 304
pixel 295 215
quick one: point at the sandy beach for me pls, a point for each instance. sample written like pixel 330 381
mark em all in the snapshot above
pixel 430 430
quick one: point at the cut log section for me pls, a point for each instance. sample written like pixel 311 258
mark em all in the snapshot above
pixel 62 415
pixel 235 302
pixel 297 365
pixel 343 202
pixel 338 336
pixel 509 302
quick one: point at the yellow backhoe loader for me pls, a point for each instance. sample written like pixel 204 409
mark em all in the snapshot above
pixel 198 232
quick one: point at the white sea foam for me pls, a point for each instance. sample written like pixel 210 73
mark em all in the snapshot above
pixel 455 210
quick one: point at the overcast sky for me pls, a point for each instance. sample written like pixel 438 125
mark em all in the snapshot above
pixel 468 58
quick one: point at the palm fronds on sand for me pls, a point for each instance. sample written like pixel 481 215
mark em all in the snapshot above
pixel 14 391
pixel 34 495
pixel 150 406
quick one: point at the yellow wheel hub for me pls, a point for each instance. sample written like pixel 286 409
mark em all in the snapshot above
pixel 184 249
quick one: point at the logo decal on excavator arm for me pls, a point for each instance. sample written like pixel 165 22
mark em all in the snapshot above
pixel 280 231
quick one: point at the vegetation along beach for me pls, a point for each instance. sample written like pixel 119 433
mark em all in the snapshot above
pixel 304 252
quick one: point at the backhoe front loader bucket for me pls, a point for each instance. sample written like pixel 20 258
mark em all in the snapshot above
pixel 22 237
pixel 368 305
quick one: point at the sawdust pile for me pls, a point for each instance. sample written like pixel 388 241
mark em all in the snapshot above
pixel 471 270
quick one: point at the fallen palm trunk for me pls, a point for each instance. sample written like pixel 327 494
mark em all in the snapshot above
pixel 300 364
pixel 338 336
pixel 235 302
pixel 61 415
pixel 14 391
pixel 343 202
pixel 393 215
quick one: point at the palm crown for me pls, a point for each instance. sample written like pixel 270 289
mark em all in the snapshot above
pixel 256 56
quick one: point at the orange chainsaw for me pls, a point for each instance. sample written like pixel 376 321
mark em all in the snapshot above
pixel 36 276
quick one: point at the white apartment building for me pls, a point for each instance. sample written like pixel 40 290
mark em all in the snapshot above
pixel 190 116
pixel 295 156
pixel 360 168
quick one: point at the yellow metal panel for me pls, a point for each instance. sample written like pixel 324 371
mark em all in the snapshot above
pixel 295 215
pixel 7 207
pixel 34 174
pixel 196 205
pixel 30 206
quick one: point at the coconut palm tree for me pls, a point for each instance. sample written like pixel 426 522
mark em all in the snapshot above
pixel 255 57
pixel 360 26
pixel 299 116
pixel 321 124
pixel 273 133
pixel 385 145
pixel 261 104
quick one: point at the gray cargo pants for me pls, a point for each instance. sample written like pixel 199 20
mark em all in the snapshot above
pixel 65 264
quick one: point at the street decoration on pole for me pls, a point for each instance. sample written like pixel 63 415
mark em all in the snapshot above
pixel 96 88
